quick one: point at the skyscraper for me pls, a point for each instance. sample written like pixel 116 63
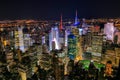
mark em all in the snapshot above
pixel 54 36
pixel 19 42
pixel 72 46
pixel 76 19
pixel 61 34
pixel 109 31
pixel 61 24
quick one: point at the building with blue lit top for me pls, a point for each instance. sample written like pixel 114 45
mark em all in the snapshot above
pixel 72 46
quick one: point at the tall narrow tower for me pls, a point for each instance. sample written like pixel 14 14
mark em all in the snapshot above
pixel 54 36
pixel 61 26
pixel 19 41
pixel 76 19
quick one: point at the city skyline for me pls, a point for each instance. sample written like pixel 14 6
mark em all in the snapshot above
pixel 52 9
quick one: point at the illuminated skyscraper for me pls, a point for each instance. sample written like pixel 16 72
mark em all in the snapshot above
pixel 19 42
pixel 54 36
pixel 61 34
pixel 61 25
pixel 84 27
pixel 66 38
pixel 43 39
pixel 72 46
pixel 9 57
pixel 97 41
pixel 117 36
pixel 27 41
pixel 80 51
pixel 109 31
pixel 76 19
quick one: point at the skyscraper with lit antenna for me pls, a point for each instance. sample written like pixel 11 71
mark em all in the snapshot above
pixel 76 18
pixel 61 24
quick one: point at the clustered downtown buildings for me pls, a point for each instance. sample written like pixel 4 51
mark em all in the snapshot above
pixel 27 45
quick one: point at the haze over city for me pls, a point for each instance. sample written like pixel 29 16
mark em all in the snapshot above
pixel 51 9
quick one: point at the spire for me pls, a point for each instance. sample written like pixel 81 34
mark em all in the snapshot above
pixel 76 18
pixel 61 26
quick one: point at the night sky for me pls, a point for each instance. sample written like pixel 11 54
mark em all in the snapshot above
pixel 52 9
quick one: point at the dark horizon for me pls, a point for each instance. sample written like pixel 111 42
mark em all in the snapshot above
pixel 52 9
